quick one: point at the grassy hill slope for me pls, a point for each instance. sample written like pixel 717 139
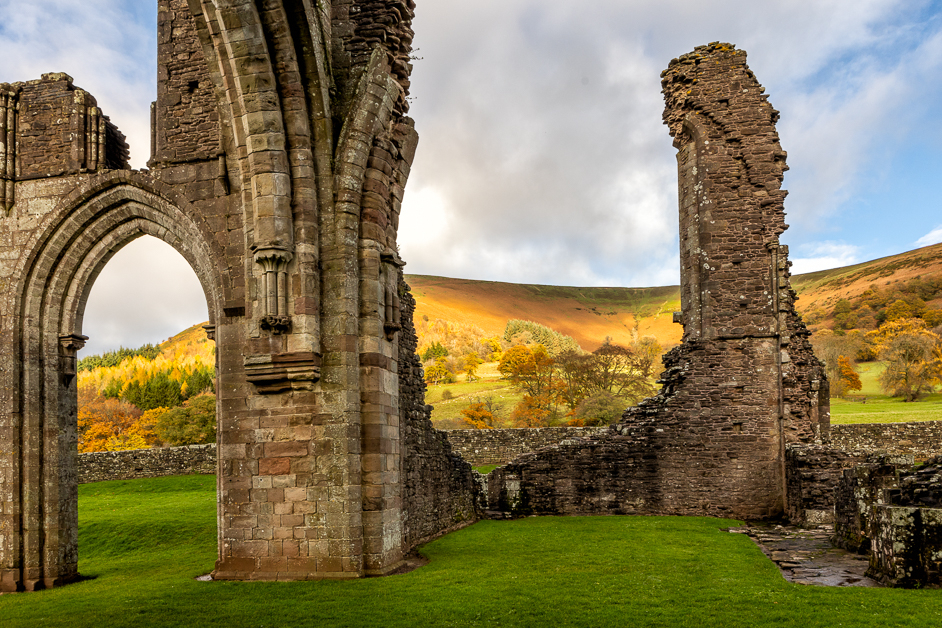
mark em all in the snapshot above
pixel 591 314
pixel 586 314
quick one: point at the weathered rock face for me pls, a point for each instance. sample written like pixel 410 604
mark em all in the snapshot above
pixel 745 381
pixel 280 152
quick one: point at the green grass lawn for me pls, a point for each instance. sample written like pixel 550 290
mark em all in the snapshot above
pixel 144 541
pixel 871 405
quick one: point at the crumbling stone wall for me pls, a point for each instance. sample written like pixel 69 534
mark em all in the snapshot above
pixel 812 473
pixel 893 511
pixel 146 463
pixel 745 381
pixel 484 447
pixel 60 130
pixel 439 490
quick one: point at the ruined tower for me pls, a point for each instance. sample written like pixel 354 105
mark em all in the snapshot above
pixel 280 149
pixel 744 383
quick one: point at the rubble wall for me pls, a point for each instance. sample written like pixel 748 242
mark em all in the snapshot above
pixel 439 490
pixel 146 463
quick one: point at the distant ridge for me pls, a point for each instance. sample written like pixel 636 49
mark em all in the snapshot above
pixel 591 314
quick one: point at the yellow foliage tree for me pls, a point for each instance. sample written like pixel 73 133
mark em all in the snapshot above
pixel 913 357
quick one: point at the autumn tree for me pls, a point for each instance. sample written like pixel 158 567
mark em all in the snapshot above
pixel 439 373
pixel 913 357
pixel 847 378
pixel 471 364
pixel 193 423
pixel 112 425
pixel 478 416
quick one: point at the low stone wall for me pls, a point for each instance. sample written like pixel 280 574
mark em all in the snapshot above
pixel 146 463
pixel 922 439
pixel 889 508
pixel 482 447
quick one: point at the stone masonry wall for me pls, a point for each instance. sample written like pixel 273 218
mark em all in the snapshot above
pixel 484 447
pixel 922 439
pixel 61 130
pixel 439 490
pixel 188 127
pixel 147 463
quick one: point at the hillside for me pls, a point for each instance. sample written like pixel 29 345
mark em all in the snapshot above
pixel 591 314
pixel 586 314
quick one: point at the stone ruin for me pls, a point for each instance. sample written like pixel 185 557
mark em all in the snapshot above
pixel 891 510
pixel 280 149
pixel 745 383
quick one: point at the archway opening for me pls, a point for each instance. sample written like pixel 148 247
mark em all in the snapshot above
pixel 145 383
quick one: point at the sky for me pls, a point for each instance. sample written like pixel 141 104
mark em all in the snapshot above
pixel 542 156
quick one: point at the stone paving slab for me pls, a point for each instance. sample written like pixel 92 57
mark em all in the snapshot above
pixel 806 555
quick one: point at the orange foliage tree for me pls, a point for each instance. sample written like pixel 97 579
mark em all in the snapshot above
pixel 112 425
pixel 847 377
pixel 478 416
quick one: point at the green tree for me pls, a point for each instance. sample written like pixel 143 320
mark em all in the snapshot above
pixel 434 351
pixel 600 408
pixel 193 423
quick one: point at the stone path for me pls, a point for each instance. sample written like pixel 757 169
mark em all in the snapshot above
pixel 806 556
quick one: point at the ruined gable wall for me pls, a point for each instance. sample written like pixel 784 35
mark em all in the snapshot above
pixel 745 381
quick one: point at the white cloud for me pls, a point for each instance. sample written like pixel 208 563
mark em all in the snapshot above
pixel 824 256
pixel 146 293
pixel 933 237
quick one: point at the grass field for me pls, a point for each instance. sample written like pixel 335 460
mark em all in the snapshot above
pixel 870 405
pixel 144 541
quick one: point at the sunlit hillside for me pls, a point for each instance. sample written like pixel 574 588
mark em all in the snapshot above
pixel 591 314
pixel 180 357
pixel 587 314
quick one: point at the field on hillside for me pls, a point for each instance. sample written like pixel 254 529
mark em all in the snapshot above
pixel 587 314
pixel 591 314
pixel 142 543
pixel 871 405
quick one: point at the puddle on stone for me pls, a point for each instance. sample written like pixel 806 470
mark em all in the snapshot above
pixel 806 555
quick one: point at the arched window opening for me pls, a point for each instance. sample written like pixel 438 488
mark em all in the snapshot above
pixel 146 377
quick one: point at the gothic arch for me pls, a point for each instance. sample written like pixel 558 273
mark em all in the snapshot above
pixel 86 229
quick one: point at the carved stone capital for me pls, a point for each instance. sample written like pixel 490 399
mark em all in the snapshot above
pixel 275 324
pixel 69 345
pixel 272 259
